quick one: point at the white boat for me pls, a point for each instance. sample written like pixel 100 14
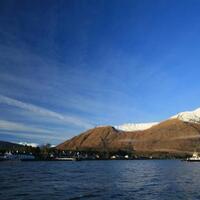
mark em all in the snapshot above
pixel 2 158
pixel 65 159
pixel 195 158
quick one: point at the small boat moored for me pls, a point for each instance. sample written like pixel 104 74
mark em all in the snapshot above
pixel 65 159
pixel 195 158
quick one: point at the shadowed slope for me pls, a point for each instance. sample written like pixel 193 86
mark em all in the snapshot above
pixel 9 145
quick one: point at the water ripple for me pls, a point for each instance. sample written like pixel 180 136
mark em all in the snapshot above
pixel 150 179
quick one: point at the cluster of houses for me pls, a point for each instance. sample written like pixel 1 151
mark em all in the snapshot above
pixel 59 156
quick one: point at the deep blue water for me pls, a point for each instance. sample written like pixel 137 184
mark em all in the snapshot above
pixel 141 179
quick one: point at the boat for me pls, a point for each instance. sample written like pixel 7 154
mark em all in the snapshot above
pixel 195 158
pixel 2 158
pixel 65 159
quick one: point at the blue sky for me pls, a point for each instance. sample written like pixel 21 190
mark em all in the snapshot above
pixel 66 66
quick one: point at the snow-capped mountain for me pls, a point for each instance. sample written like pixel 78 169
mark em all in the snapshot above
pixel 172 136
pixel 135 126
pixel 189 116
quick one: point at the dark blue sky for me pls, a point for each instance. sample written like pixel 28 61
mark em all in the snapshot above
pixel 66 66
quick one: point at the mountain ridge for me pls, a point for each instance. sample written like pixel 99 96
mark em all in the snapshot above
pixel 9 145
pixel 172 135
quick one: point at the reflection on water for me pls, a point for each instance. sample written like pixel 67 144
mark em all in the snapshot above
pixel 145 179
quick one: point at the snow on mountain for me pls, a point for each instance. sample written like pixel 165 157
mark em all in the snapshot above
pixel 189 116
pixel 28 144
pixel 135 126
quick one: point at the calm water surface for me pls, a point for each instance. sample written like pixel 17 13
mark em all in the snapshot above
pixel 144 179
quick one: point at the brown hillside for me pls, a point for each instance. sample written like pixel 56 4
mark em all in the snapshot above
pixel 169 136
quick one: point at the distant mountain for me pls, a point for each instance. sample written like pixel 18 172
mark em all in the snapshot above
pixel 179 134
pixel 9 145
